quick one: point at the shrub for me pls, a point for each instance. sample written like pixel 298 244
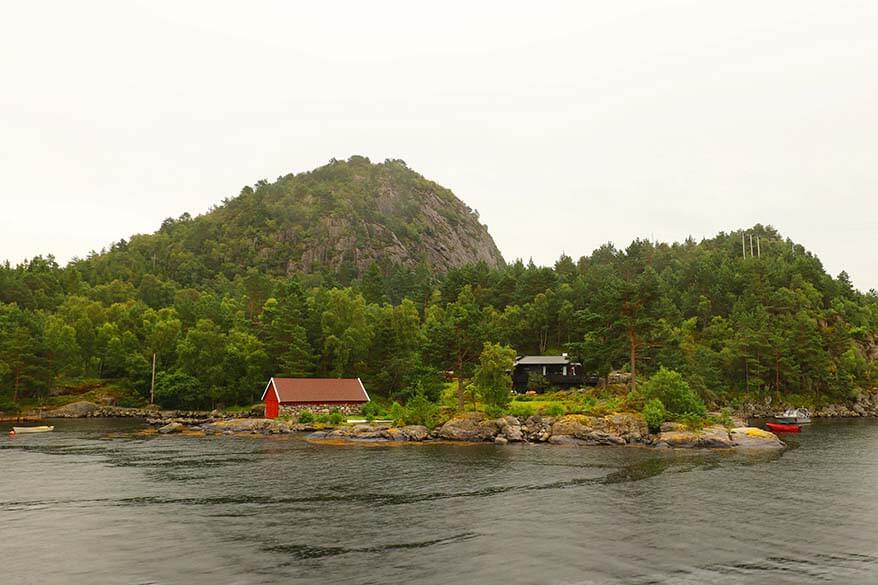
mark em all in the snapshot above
pixel 494 411
pixel 635 399
pixel 306 416
pixel 676 395
pixel 492 374
pixel 420 411
pixel 521 410
pixel 586 405
pixel 371 410
pixel 6 405
pixel 336 418
pixel 176 389
pixel 725 418
pixel 322 419
pixel 693 421
pixel 655 414
pixel 555 409
pixel 397 413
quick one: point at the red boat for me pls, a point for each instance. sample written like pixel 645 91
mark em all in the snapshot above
pixel 782 428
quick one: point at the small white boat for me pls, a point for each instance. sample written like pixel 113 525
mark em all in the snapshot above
pixel 23 430
pixel 794 416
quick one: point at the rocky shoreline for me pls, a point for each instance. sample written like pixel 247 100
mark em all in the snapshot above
pixel 152 414
pixel 571 430
pixel 617 429
pixel 865 405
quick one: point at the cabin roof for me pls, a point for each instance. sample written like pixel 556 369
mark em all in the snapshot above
pixel 317 390
pixel 544 360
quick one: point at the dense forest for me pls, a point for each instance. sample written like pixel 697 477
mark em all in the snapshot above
pixel 336 220
pixel 733 324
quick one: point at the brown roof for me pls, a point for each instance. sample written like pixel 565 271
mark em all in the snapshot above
pixel 318 390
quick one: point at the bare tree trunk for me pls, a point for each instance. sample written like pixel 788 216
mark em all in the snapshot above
pixel 777 372
pixel 632 341
pixel 747 373
pixel 15 386
pixel 460 399
pixel 152 384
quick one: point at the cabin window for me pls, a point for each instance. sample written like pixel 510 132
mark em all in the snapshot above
pixel 565 370
pixel 544 370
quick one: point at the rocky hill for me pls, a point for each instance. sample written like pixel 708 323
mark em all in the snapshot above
pixel 341 217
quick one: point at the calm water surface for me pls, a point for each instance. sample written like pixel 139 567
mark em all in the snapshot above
pixel 97 503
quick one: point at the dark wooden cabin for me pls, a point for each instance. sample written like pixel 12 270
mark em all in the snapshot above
pixel 558 370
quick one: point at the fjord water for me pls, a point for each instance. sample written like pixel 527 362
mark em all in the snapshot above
pixel 97 502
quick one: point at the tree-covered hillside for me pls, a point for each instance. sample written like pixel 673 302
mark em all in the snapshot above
pixel 336 220
pixel 732 325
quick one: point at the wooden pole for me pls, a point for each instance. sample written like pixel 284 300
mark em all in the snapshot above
pixel 152 385
pixel 743 247
pixel 758 248
pixel 751 245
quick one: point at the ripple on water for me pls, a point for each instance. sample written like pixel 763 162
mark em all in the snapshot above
pixel 148 509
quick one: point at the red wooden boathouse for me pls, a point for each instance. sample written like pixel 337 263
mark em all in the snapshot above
pixel 313 393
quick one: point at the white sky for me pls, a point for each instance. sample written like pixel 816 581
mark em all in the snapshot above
pixel 565 124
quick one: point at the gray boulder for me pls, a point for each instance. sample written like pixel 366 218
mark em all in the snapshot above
pixel 471 426
pixel 415 432
pixel 173 427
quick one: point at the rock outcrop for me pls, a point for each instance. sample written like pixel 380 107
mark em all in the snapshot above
pixel 616 429
pixel 865 404
pixel 753 438
pixel 173 427
pixel 712 437
pixel 472 426
pixel 366 432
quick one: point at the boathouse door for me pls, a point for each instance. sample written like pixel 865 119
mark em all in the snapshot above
pixel 271 404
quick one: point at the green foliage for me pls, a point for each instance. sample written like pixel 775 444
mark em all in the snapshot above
pixel 210 297
pixel 655 414
pixel 419 410
pixel 725 418
pixel 674 393
pixel 306 417
pixel 372 410
pixel 494 411
pixel 336 418
pixel 693 421
pixel 521 410
pixel 178 389
pixel 398 413
pixel 554 409
pixel 492 378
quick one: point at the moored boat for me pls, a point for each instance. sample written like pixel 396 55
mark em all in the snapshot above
pixel 783 428
pixel 25 430
pixel 794 416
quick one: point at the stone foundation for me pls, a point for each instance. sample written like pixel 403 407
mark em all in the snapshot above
pixel 294 410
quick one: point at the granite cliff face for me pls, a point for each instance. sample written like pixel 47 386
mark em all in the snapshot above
pixel 339 218
pixel 389 215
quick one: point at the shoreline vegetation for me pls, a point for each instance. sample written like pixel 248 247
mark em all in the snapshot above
pixel 474 427
pixel 467 428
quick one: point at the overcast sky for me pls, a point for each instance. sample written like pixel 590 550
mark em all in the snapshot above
pixel 566 125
